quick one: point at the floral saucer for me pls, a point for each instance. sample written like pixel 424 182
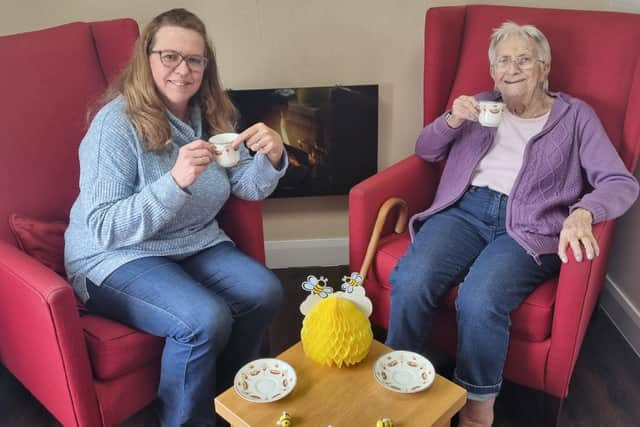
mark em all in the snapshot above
pixel 404 372
pixel 265 380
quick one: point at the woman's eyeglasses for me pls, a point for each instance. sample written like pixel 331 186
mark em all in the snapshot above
pixel 521 62
pixel 171 59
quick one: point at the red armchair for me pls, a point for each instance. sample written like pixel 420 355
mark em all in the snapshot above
pixel 594 57
pixel 86 370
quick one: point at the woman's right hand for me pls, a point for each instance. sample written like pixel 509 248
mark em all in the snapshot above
pixel 193 159
pixel 464 108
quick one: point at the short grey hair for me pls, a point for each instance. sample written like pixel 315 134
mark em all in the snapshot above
pixel 530 32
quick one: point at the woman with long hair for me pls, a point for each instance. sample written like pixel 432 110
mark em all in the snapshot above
pixel 143 245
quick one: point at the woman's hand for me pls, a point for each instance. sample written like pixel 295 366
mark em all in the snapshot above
pixel 576 232
pixel 193 159
pixel 262 139
pixel 464 108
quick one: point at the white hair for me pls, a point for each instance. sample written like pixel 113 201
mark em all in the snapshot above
pixel 530 32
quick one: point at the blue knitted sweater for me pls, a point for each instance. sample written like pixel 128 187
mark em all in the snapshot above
pixel 130 207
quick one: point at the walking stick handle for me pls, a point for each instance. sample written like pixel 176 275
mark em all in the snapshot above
pixel 381 219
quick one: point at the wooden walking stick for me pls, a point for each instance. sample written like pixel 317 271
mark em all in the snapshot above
pixel 383 212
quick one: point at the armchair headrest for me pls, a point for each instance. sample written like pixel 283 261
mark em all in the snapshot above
pixel 594 57
pixel 48 80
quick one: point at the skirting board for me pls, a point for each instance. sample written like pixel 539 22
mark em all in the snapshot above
pixel 307 253
pixel 622 313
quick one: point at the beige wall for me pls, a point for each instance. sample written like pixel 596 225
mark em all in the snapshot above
pixel 621 298
pixel 279 43
pixel 626 249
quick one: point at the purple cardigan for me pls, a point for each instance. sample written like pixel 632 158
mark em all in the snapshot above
pixel 570 164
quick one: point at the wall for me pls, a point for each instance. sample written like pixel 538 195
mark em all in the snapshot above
pixel 279 43
pixel 621 296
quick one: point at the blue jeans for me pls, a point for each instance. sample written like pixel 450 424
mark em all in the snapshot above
pixel 213 308
pixel 467 244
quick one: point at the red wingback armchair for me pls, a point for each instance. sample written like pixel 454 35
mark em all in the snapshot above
pixel 594 57
pixel 86 370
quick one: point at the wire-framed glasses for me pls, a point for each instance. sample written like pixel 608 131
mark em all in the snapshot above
pixel 522 62
pixel 171 59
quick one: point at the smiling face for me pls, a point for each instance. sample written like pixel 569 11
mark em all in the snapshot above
pixel 176 85
pixel 514 83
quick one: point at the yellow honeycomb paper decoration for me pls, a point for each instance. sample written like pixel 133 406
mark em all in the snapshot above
pixel 336 332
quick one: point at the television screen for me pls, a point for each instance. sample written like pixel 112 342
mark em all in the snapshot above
pixel 330 134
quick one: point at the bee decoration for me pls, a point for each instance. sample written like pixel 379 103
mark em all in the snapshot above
pixel 384 422
pixel 284 420
pixel 350 282
pixel 317 286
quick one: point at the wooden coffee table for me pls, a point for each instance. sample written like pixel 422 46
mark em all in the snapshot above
pixel 344 397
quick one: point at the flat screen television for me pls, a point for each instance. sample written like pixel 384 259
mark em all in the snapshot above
pixel 330 134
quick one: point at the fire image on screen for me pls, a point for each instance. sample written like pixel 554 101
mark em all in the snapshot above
pixel 330 134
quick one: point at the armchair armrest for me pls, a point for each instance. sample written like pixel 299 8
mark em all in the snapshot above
pixel 242 221
pixel 40 332
pixel 411 179
pixel 579 286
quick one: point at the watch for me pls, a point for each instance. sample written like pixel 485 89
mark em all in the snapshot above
pixel 446 119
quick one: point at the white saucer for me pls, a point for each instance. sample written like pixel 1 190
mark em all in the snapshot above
pixel 265 380
pixel 404 372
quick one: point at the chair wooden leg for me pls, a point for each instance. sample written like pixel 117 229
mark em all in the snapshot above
pixel 552 410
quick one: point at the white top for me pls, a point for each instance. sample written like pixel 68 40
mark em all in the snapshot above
pixel 500 166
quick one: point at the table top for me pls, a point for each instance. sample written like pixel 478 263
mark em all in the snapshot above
pixel 344 397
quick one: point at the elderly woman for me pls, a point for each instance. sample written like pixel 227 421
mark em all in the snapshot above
pixel 511 200
pixel 143 245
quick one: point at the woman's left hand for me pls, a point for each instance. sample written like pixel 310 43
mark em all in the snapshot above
pixel 262 139
pixel 576 232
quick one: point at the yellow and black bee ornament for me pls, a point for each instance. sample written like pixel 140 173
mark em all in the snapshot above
pixel 284 420
pixel 336 330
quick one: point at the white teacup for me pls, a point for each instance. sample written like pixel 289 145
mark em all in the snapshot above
pixel 490 113
pixel 222 143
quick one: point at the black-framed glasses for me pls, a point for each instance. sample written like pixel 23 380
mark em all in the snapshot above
pixel 522 62
pixel 171 59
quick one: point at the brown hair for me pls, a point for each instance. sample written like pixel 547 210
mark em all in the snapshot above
pixel 146 109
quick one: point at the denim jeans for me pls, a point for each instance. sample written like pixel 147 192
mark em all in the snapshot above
pixel 213 308
pixel 467 244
